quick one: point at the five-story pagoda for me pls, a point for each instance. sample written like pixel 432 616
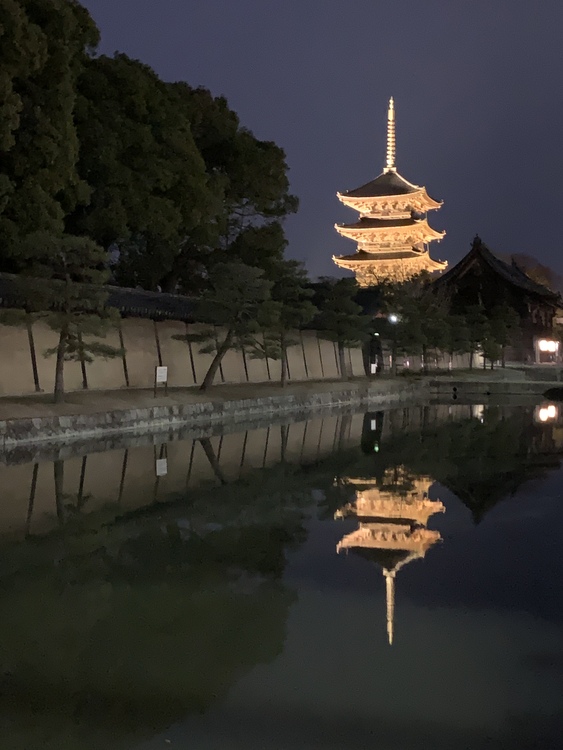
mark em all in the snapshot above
pixel 392 232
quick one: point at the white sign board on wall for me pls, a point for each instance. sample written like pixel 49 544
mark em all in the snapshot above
pixel 161 467
pixel 162 374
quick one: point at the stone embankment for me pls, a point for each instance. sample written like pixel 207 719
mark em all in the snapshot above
pixel 193 410
pixel 92 416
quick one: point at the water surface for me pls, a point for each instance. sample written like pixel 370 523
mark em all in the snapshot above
pixel 389 580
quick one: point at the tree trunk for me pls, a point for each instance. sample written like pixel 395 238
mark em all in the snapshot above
pixel 484 361
pixel 343 430
pixel 169 282
pixel 283 380
pixel 424 360
pixel 284 433
pixel 394 357
pixel 342 360
pixel 214 366
pixel 471 353
pixel 503 357
pixel 59 476
pixel 212 458
pixel 59 392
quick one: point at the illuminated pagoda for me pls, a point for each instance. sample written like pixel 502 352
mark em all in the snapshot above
pixel 392 526
pixel 392 231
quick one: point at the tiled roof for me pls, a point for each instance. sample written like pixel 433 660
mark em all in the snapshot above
pixel 510 273
pixel 135 303
pixel 388 183
pixel 361 255
pixel 365 223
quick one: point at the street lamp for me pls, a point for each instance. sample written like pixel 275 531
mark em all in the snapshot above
pixel 393 318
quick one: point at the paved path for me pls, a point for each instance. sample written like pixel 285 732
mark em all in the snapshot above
pixel 92 402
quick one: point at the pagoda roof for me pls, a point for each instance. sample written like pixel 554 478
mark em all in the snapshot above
pixel 388 559
pixel 365 257
pixel 367 223
pixel 387 183
pixel 511 273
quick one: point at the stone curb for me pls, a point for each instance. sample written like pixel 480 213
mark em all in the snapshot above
pixel 65 429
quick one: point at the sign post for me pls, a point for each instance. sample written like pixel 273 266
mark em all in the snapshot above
pixel 161 378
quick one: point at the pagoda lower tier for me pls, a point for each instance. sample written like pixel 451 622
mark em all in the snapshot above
pixel 393 265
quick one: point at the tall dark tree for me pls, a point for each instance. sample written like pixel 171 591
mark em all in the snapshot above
pixel 43 47
pixel 150 191
pixel 253 177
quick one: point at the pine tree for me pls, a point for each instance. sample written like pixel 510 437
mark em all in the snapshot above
pixel 231 307
pixel 62 283
pixel 291 308
pixel 340 318
pixel 505 328
pixel 478 325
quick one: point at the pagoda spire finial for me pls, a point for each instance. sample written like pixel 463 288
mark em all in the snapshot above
pixel 390 601
pixel 390 162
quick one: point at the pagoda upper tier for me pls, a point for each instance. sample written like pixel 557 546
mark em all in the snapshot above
pixel 389 195
pixel 392 232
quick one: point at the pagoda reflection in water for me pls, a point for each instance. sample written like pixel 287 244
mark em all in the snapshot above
pixel 393 515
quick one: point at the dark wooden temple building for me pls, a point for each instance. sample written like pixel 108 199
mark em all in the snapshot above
pixel 482 278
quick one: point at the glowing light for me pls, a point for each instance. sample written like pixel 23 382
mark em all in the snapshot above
pixel 546 345
pixel 545 413
pixel 478 412
pixel 393 318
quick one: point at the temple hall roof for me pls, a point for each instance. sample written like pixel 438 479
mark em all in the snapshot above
pixel 511 273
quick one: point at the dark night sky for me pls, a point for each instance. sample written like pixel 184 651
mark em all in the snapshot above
pixel 477 84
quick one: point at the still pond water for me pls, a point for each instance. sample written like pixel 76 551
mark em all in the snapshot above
pixel 390 580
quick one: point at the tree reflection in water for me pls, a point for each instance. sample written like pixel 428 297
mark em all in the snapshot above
pixel 113 633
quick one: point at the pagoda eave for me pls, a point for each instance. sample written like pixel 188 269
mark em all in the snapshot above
pixel 421 259
pixel 390 538
pixel 412 235
pixel 382 204
pixel 372 272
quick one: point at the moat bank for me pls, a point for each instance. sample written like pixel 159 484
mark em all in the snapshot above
pixel 95 415
pixel 91 415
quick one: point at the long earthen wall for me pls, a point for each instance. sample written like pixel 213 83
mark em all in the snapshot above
pixel 24 368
